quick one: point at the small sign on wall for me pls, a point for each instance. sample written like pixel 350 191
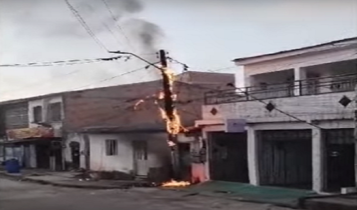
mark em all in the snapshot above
pixel 235 125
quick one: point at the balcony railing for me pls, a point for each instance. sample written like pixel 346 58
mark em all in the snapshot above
pixel 312 86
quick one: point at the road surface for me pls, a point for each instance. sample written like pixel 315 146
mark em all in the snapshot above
pixel 15 195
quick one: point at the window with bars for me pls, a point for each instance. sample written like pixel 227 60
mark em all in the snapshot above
pixel 54 112
pixel 111 147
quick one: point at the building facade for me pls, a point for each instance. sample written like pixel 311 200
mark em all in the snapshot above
pixel 31 132
pixel 112 129
pixel 291 126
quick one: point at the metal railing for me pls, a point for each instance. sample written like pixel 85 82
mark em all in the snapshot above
pixel 311 86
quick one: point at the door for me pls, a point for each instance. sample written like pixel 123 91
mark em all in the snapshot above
pixel 285 158
pixel 228 157
pixel 43 156
pixel 184 160
pixel 75 154
pixel 340 154
pixel 27 157
pixel 140 158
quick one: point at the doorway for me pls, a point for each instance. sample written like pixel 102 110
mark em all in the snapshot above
pixel 228 157
pixel 75 154
pixel 43 156
pixel 340 153
pixel 285 158
pixel 184 162
pixel 140 149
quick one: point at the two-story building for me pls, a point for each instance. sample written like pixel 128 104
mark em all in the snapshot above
pixel 292 125
pixel 112 129
pixel 31 131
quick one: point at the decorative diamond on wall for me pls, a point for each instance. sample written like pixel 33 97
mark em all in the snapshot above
pixel 345 101
pixel 270 106
pixel 214 111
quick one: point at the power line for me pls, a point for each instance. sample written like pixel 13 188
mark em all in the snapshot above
pixel 39 82
pixel 64 62
pixel 117 24
pixel 277 109
pixel 84 24
pixel 113 77
pixel 187 67
pixel 257 99
pixel 221 69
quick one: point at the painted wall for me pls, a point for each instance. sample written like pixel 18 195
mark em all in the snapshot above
pixel 299 61
pixel 158 151
pixel 66 152
pixel 44 102
pixel 309 108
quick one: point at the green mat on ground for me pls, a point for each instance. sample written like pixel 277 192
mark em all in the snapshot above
pixel 264 194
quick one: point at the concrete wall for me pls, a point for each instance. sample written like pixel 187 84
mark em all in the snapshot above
pixel 44 102
pixel 66 152
pixel 309 108
pixel 298 61
pixel 158 151
pixel 201 171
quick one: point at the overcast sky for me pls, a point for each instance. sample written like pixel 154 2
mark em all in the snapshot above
pixel 206 35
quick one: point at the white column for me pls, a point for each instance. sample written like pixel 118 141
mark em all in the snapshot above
pixel 253 166
pixel 317 160
pixel 299 74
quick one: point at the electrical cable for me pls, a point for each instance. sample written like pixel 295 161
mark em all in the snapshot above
pixel 36 83
pixel 113 77
pixel 84 24
pixel 64 62
pixel 263 102
pixel 117 24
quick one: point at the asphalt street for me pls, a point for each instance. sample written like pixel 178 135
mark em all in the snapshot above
pixel 16 195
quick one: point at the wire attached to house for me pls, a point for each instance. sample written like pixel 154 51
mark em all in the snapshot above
pixel 255 98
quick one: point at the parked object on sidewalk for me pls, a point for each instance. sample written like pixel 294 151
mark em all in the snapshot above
pixel 13 166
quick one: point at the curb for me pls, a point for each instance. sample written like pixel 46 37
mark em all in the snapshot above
pixel 296 205
pixel 57 184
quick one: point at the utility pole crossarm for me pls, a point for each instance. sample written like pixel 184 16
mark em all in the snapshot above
pixel 136 56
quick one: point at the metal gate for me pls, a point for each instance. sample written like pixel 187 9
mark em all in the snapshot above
pixel 285 158
pixel 339 155
pixel 228 157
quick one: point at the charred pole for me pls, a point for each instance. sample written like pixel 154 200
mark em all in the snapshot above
pixel 167 89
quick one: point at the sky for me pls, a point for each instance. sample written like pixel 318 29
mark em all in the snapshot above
pixel 204 34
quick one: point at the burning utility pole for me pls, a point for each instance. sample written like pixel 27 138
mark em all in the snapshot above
pixel 167 83
pixel 169 109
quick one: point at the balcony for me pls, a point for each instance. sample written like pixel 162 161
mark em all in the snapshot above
pixel 308 87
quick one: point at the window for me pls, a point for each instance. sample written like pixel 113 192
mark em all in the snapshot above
pixel 141 150
pixel 111 147
pixel 37 114
pixel 54 112
pixel 16 116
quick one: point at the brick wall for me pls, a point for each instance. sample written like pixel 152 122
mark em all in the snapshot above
pixel 114 106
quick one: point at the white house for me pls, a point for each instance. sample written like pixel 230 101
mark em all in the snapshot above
pixel 296 112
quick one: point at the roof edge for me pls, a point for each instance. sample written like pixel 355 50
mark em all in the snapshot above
pixel 249 59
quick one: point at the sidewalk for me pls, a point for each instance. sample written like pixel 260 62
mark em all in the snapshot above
pixel 283 197
pixel 68 179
